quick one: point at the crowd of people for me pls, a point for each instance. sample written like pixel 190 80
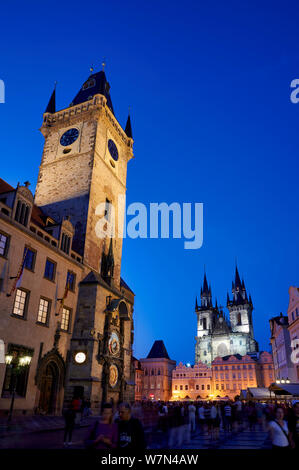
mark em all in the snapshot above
pixel 123 427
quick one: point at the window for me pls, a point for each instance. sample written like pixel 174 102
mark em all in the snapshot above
pixel 204 323
pixel 239 319
pixel 4 242
pixel 227 386
pixel 50 270
pixel 153 372
pixel 186 387
pixel 65 243
pixel 43 311
pixel 20 304
pixel 222 386
pixel 208 387
pixel 175 387
pixel 202 387
pixel 71 280
pixel 159 373
pixel 181 387
pixel 197 387
pixel 205 353
pixel 217 386
pixel 65 320
pixel 29 261
pixel 22 213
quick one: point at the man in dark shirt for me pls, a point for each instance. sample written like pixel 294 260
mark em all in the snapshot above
pixel 130 430
pixel 293 425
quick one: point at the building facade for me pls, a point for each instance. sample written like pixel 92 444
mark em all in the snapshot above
pixel 64 309
pixel 293 315
pixel 191 382
pixel 138 380
pixel 281 347
pixel 219 336
pixel 226 377
pixel 157 378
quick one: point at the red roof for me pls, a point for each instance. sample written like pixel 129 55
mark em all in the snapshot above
pixel 5 187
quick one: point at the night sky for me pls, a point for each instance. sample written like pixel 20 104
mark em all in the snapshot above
pixel 208 84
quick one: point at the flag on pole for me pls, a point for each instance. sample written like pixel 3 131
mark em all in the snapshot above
pixel 66 290
pixel 18 277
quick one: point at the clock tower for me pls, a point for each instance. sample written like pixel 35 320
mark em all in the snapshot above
pixel 82 178
pixel 84 166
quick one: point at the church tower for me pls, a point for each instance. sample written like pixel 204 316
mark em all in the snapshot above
pixel 205 320
pixel 240 312
pixel 84 169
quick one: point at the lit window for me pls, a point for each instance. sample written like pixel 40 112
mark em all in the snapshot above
pixel 65 320
pixel 3 244
pixel 20 303
pixel 43 311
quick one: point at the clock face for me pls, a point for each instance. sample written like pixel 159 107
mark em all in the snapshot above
pixel 80 357
pixel 113 375
pixel 69 137
pixel 113 344
pixel 113 150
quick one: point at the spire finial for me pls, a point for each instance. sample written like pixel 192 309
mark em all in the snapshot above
pixel 104 64
pixel 91 68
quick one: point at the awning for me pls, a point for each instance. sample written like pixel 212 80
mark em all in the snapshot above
pixel 258 392
pixel 285 389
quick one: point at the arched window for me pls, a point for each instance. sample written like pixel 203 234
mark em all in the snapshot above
pixel 22 213
pixel 239 319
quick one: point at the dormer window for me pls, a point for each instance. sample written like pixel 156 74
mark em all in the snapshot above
pixel 89 84
pixel 65 243
pixel 22 213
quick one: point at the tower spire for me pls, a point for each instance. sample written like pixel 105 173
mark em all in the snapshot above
pixel 51 108
pixel 128 129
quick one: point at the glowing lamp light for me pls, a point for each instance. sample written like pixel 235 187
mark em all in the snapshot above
pixel 287 380
pixel 188 364
pixel 278 381
pixel 8 359
pixel 283 381
pixel 24 361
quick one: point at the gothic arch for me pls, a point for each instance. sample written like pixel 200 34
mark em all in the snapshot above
pixel 50 379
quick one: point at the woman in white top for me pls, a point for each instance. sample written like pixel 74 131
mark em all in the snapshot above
pixel 279 432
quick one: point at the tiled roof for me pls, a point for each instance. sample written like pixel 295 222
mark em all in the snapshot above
pixel 5 187
pixel 158 351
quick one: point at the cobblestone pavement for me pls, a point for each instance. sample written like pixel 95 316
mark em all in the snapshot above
pixel 53 439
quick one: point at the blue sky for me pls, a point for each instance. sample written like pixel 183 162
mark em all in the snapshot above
pixel 208 84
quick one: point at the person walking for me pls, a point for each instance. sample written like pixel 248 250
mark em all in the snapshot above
pixel 103 434
pixel 192 410
pixel 293 425
pixel 201 417
pixel 69 418
pixel 278 430
pixel 130 430
pixel 228 417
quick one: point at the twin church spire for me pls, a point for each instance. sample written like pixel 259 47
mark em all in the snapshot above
pixel 239 294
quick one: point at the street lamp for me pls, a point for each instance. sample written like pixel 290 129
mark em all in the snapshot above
pixel 16 368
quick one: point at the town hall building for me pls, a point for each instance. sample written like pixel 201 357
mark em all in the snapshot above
pixel 66 315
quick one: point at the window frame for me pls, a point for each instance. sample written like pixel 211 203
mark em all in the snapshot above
pixel 70 318
pixel 71 289
pixel 29 248
pixel 46 323
pixel 16 315
pixel 54 271
pixel 7 244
